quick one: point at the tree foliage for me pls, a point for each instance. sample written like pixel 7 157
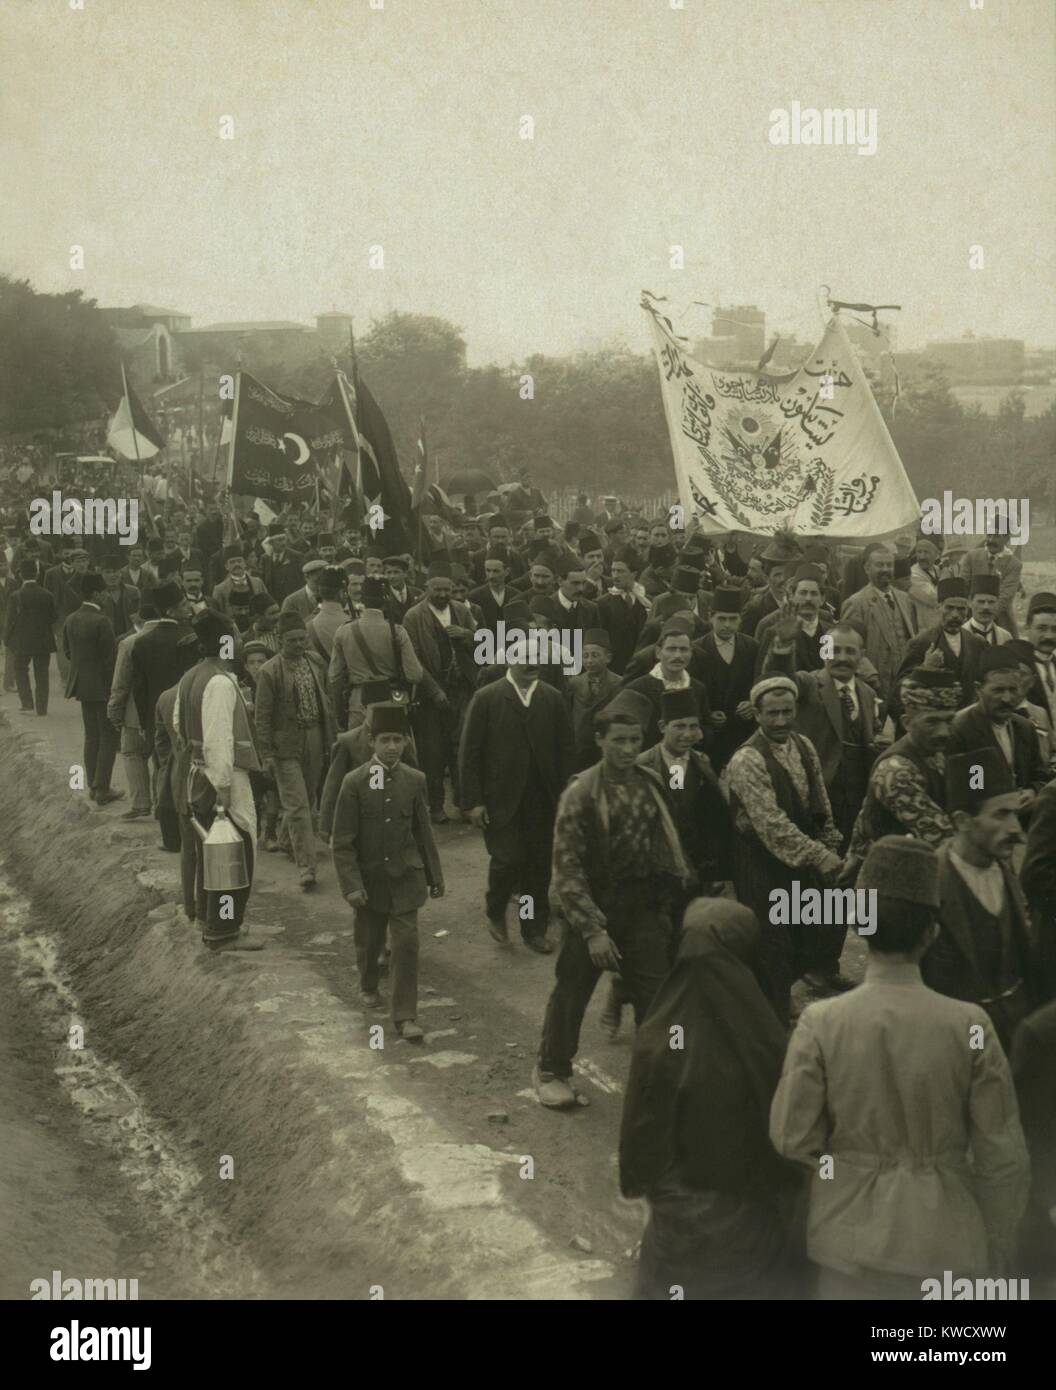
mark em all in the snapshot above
pixel 59 364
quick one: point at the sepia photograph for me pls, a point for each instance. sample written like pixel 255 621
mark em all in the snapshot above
pixel 528 621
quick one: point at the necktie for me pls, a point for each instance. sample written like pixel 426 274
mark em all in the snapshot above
pixel 850 719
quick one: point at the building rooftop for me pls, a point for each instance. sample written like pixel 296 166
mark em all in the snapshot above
pixel 263 326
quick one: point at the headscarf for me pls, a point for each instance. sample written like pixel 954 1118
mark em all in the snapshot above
pixel 703 1110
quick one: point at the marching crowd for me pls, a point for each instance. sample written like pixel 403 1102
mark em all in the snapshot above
pixel 747 721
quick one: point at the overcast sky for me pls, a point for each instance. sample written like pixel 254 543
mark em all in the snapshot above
pixel 400 127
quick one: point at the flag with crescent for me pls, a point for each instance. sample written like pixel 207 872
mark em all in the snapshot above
pixel 279 445
pixel 806 451
pixel 386 498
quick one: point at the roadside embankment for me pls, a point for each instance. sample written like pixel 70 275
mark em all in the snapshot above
pixel 332 1181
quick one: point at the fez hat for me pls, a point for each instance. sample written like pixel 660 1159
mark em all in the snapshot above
pixel 289 621
pixel 569 564
pixel 542 523
pixel 679 704
pixel 91 584
pixel 632 705
pixel 1023 652
pixel 588 541
pixel 373 592
pixel 439 569
pixel 233 552
pixel 260 603
pixel 612 526
pixel 597 637
pixel 808 573
pixel 662 555
pixel 903 567
pixel 1041 603
pixel 627 555
pixel 686 580
pixel 389 719
pixel 975 777
pixel 952 587
pixel 691 558
pixel 166 596
pixel 517 614
pixel 900 867
pixel 679 625
pixel 209 627
pixel 997 659
pixel 986 584
pixel 728 601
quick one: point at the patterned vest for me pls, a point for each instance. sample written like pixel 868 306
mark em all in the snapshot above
pixel 877 818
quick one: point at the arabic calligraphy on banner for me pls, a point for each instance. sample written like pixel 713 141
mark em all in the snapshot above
pixel 808 450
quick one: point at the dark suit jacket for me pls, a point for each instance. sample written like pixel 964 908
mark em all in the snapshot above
pixel 1034 1072
pixel 158 662
pixel 582 619
pixel 499 738
pixel 485 601
pixel 727 686
pixel 118 606
pixel 58 584
pixel 396 609
pixel 623 622
pixel 950 965
pixel 382 839
pixel 706 827
pixel 1037 694
pixel 30 626
pixel 971 729
pixel 1038 876
pixel 89 643
pixel 808 649
pixel 653 688
pixel 756 609
pixel 582 708
pixel 173 756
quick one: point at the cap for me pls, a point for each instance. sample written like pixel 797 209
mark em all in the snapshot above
pixel 380 693
pixel 312 567
pixel 251 648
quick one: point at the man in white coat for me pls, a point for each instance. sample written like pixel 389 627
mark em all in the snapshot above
pixel 901 1103
pixel 214 723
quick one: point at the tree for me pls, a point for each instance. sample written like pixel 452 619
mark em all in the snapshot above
pixel 59 362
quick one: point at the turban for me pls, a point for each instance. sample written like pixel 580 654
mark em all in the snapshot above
pixel 764 687
pixel 926 689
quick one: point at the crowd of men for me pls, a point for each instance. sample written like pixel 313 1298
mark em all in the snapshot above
pixel 746 717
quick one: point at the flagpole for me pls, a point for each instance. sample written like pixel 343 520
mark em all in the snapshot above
pixel 135 445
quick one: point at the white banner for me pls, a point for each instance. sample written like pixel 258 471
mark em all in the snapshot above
pixel 808 451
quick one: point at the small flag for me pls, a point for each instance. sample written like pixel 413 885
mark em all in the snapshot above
pixel 132 433
pixel 421 467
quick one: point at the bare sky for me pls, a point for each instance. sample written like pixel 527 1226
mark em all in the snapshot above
pixel 400 127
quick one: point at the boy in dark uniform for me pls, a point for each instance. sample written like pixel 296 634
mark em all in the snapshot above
pixel 384 856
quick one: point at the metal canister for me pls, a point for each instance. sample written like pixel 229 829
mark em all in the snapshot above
pixel 224 865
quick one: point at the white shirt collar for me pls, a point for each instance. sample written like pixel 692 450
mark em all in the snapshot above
pixel 525 695
pixel 681 684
